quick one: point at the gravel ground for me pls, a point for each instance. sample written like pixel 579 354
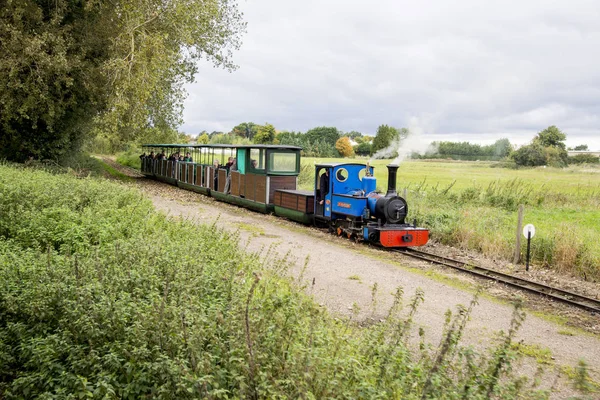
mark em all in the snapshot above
pixel 340 274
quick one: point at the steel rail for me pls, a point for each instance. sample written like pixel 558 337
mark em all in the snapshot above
pixel 561 295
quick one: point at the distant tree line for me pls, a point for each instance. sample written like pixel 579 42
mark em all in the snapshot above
pixel 546 148
pixel 470 151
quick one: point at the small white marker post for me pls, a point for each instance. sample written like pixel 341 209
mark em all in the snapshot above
pixel 528 232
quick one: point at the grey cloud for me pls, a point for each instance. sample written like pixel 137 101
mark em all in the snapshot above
pixel 474 69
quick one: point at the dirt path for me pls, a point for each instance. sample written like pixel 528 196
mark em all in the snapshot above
pixel 342 274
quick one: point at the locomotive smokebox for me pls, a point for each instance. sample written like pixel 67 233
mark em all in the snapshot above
pixel 392 173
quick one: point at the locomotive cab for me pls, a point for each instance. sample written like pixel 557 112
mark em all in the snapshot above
pixel 341 189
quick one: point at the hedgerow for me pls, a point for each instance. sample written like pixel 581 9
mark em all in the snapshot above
pixel 102 297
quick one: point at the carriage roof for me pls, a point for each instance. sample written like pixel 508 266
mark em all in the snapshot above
pixel 224 146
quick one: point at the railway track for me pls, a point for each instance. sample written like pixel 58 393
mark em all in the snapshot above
pixel 557 294
pixel 561 295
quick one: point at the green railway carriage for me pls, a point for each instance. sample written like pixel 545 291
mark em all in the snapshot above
pixel 261 171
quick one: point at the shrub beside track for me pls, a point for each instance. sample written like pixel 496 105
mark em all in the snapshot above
pixel 102 297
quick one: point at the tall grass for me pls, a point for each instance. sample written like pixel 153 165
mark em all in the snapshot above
pixel 102 297
pixel 474 206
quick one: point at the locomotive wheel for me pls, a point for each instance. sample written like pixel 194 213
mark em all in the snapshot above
pixel 349 235
pixel 373 237
pixel 339 231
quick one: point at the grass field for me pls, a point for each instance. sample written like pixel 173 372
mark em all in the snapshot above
pixel 474 205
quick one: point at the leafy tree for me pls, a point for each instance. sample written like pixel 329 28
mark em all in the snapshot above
pixel 531 155
pixel 554 157
pixel 384 137
pixel 344 146
pixel 363 149
pixel 68 67
pixel 354 135
pixel 221 138
pixel 203 139
pixel 329 135
pixel 581 147
pixel 246 130
pixel 551 137
pixel 265 134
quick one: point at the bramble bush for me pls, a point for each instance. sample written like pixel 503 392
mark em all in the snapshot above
pixel 102 297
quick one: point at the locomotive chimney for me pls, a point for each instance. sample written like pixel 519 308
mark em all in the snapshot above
pixel 392 172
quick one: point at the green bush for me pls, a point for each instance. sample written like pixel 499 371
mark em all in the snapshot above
pixel 584 159
pixel 130 158
pixel 102 297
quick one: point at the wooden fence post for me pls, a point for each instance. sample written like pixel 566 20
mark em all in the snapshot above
pixel 517 257
pixel 404 193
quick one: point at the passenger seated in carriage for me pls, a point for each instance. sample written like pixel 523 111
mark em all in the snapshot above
pixel 232 167
pixel 216 166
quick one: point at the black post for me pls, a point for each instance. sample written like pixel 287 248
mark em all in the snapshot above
pixel 528 247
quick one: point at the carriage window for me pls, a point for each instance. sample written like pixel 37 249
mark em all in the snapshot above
pixel 257 159
pixel 283 162
pixel 341 175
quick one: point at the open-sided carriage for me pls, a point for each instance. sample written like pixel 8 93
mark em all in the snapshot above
pixel 259 172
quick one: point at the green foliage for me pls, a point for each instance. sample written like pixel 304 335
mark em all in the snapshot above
pixel 245 130
pixel 584 159
pixel 50 74
pixel 223 138
pixel 130 158
pixel 353 135
pixel 312 146
pixel 471 151
pixel 547 148
pixel 530 156
pixel 323 134
pixel 265 134
pixel 581 147
pixel 203 139
pixel 119 66
pixel 384 137
pixel 363 149
pixel 551 137
pixel 102 297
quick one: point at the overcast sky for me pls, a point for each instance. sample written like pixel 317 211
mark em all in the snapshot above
pixel 461 70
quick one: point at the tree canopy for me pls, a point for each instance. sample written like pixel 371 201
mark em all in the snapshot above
pixel 327 134
pixel 245 130
pixel 546 148
pixel 385 136
pixel 551 137
pixel 344 146
pixel 265 134
pixel 70 66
